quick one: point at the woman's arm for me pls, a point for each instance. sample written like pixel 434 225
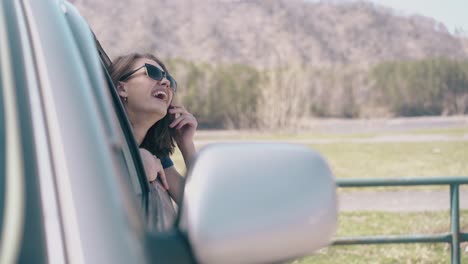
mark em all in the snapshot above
pixel 176 184
pixel 153 167
pixel 185 125
pixel 171 179
pixel 188 152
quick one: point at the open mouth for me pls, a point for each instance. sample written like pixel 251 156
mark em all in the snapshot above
pixel 160 95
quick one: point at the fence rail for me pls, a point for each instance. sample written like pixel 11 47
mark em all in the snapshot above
pixel 454 237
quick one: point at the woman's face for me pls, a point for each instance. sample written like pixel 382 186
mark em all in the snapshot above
pixel 144 94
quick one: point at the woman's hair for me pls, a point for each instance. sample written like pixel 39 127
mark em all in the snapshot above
pixel 159 140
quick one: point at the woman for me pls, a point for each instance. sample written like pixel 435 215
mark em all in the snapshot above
pixel 147 89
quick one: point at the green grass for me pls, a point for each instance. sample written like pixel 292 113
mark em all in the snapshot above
pixel 369 160
pixel 390 159
pixel 383 223
pixel 386 223
pixel 409 159
pixel 383 254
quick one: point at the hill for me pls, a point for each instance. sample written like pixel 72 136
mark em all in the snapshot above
pixel 264 33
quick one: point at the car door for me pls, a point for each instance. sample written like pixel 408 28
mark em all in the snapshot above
pixel 65 193
pixel 23 230
pixel 154 201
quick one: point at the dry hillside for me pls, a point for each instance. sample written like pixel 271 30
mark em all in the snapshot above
pixel 264 33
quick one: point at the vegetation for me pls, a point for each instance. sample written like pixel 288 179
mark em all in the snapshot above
pixel 426 87
pixel 384 223
pixel 272 64
pixel 219 95
pixel 350 159
pixel 271 33
pixel 394 159
pixel 240 96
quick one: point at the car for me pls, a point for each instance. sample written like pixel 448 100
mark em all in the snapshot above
pixel 73 188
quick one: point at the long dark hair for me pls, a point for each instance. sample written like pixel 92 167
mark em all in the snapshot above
pixel 159 140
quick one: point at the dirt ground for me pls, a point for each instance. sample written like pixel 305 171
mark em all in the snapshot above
pixel 399 201
pixel 357 126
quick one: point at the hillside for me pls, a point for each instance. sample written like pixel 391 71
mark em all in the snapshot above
pixel 263 33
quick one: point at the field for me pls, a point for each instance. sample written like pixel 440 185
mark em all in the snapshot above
pixel 439 152
pixel 384 223
pixel 415 153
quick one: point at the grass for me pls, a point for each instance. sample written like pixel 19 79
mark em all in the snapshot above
pixel 383 254
pixel 389 159
pixel 409 159
pixel 384 159
pixel 374 160
pixel 383 223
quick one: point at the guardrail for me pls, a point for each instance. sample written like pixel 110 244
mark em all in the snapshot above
pixel 454 237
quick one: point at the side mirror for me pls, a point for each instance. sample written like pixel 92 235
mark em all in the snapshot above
pixel 258 203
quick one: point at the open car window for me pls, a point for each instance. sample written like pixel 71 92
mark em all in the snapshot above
pixel 102 54
pixel 154 202
pixel 131 176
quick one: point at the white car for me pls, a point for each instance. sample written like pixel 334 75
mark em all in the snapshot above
pixel 72 187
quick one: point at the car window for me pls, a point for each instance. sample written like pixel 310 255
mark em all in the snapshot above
pixel 127 158
pixel 130 177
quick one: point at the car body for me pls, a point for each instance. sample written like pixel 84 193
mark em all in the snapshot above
pixel 72 184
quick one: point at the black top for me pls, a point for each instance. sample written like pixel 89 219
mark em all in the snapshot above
pixel 166 162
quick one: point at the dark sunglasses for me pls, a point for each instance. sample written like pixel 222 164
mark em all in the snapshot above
pixel 154 73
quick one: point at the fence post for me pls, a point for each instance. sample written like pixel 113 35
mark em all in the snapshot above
pixel 455 222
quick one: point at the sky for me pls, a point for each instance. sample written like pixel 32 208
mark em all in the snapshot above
pixel 453 13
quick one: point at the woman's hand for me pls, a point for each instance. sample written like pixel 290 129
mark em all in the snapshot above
pixel 185 124
pixel 153 167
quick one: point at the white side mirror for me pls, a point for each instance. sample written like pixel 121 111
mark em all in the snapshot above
pixel 258 203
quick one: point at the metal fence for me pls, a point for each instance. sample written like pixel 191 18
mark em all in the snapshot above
pixel 454 237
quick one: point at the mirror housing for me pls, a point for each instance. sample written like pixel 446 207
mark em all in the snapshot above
pixel 258 203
